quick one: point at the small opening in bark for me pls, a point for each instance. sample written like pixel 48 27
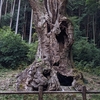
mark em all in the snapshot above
pixel 48 28
pixel 44 56
pixel 64 80
pixel 46 72
pixel 56 64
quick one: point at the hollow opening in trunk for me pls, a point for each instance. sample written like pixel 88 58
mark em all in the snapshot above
pixel 62 35
pixel 46 72
pixel 64 80
pixel 56 64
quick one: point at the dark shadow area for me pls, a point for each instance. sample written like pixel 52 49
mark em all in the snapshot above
pixel 56 64
pixel 48 28
pixel 62 36
pixel 64 80
pixel 47 72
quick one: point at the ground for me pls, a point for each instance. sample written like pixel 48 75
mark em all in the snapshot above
pixel 8 80
pixel 8 83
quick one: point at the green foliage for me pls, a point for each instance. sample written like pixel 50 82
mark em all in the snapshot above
pixel 92 6
pixel 13 51
pixel 32 51
pixel 5 19
pixel 34 37
pixel 87 14
pixel 86 54
pixel 33 48
pixel 95 97
pixel 77 33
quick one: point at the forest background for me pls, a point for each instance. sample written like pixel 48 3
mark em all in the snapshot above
pixel 18 39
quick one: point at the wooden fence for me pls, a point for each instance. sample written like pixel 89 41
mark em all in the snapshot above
pixel 41 92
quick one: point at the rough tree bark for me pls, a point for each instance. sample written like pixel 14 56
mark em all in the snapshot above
pixel 52 67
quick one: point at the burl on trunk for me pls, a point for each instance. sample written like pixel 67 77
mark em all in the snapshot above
pixel 53 65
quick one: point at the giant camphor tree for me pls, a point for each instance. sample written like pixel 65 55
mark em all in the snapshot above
pixel 53 65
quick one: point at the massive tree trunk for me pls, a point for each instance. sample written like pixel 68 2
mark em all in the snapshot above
pixel 53 66
pixel 55 33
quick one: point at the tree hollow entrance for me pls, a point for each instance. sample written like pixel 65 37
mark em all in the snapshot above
pixel 64 80
pixel 62 35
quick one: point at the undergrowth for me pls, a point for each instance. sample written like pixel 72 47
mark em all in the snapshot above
pixel 48 97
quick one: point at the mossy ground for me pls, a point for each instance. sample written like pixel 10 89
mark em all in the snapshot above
pixel 8 81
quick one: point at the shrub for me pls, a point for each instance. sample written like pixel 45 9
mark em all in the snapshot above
pixel 32 51
pixel 86 53
pixel 13 51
